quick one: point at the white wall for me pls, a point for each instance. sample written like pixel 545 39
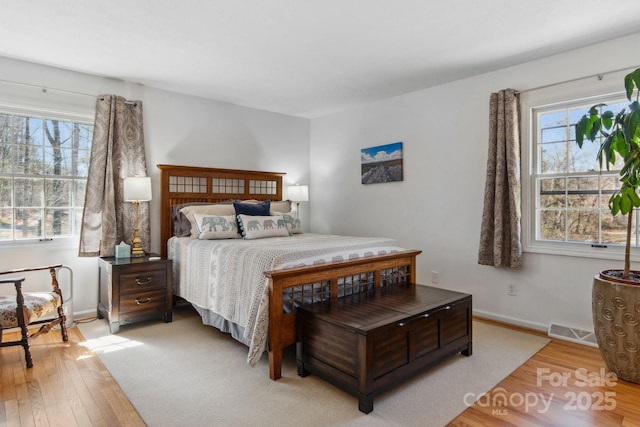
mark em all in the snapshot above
pixel 179 129
pixel 438 206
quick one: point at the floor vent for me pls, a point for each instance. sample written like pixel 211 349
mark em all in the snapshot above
pixel 567 333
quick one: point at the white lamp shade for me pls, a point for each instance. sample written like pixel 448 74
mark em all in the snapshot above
pixel 137 189
pixel 298 193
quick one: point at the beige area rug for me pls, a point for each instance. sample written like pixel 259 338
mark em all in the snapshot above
pixel 185 374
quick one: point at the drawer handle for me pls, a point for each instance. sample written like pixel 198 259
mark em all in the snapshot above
pixel 143 302
pixel 401 324
pixel 146 282
pixel 425 315
pixel 448 307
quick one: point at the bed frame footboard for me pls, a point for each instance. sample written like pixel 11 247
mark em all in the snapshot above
pixel 295 287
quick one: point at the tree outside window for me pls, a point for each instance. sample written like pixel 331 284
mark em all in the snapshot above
pixel 572 191
pixel 43 170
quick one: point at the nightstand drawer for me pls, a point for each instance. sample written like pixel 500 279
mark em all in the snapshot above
pixel 142 301
pixel 143 280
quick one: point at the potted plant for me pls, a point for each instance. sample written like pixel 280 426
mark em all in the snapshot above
pixel 616 293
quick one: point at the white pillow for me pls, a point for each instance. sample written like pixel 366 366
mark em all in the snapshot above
pixel 216 227
pixel 281 206
pixel 257 227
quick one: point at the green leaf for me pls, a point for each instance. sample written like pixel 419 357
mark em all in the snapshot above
pixel 607 119
pixel 633 196
pixel 625 204
pixel 628 85
pixel 619 144
pixel 631 82
pixel 628 166
pixel 581 126
pixel 614 204
pixel 596 125
pixel 595 129
pixel 609 153
pixel 631 125
pixel 587 127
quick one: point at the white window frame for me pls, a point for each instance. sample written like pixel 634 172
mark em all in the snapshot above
pixel 581 91
pixel 85 117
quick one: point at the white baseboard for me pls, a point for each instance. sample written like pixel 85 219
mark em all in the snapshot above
pixel 85 314
pixel 553 330
pixel 511 320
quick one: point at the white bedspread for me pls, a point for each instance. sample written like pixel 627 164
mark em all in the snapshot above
pixel 226 276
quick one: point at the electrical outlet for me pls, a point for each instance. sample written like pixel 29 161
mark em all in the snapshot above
pixel 435 277
pixel 513 289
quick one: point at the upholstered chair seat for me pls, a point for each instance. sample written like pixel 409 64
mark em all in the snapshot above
pixel 38 304
pixel 25 309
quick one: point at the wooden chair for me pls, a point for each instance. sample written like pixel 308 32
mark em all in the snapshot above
pixel 28 308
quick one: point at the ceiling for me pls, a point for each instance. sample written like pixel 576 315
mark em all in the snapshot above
pixel 303 58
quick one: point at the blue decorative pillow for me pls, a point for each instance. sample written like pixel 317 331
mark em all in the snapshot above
pixel 255 209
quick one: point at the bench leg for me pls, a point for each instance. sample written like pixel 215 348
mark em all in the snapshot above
pixel 299 363
pixel 301 371
pixel 365 403
pixel 468 351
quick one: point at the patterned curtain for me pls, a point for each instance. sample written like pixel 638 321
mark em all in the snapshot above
pixel 117 151
pixel 500 236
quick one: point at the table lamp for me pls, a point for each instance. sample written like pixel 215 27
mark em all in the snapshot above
pixel 137 189
pixel 298 193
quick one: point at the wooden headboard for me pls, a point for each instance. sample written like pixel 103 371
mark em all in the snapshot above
pixel 185 184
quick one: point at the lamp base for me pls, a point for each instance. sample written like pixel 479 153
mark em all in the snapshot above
pixel 136 248
pixel 137 254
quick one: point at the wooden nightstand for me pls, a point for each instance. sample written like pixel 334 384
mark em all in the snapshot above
pixel 134 289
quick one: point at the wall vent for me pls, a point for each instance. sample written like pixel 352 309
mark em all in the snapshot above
pixel 576 335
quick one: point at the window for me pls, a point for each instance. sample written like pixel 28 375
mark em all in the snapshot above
pixel 44 160
pixel 570 192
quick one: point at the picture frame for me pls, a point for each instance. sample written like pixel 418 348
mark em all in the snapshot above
pixel 382 163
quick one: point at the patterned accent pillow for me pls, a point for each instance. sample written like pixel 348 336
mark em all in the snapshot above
pixel 257 227
pixel 291 220
pixel 217 227
pixel 181 224
pixel 218 209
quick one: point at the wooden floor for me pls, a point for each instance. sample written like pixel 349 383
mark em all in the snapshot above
pixel 69 386
pixel 564 384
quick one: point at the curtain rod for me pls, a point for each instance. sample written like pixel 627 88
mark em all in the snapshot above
pixel 44 89
pixel 599 76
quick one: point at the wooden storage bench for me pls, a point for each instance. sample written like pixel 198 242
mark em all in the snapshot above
pixel 369 342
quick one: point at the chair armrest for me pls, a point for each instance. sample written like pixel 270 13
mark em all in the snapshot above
pixel 12 280
pixel 23 270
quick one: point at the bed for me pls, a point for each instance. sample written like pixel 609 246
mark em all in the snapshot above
pixel 268 279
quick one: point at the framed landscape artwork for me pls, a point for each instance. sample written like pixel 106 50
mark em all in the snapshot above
pixel 382 163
